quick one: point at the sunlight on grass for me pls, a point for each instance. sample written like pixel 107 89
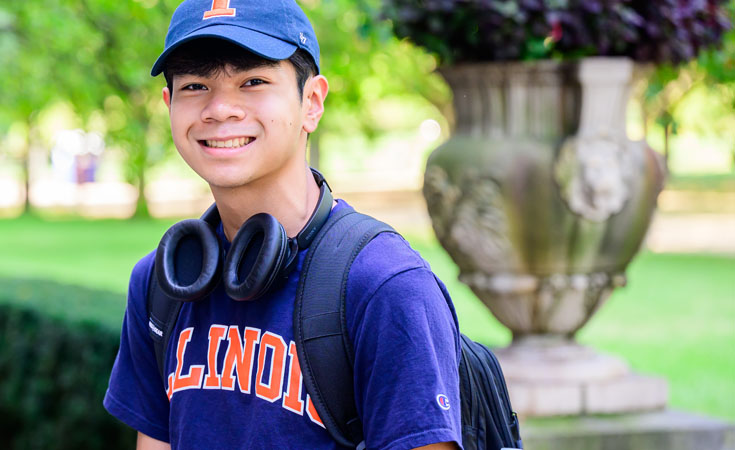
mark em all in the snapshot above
pixel 97 254
pixel 676 317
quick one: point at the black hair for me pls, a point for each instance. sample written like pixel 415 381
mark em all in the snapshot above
pixel 208 56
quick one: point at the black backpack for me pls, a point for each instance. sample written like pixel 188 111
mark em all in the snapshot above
pixel 325 353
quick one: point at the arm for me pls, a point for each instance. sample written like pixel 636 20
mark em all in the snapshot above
pixel 406 348
pixel 439 446
pixel 148 443
pixel 136 394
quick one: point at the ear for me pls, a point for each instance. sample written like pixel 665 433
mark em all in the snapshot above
pixel 166 97
pixel 315 92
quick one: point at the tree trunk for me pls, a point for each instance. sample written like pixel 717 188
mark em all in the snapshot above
pixel 27 181
pixel 141 206
pixel 26 168
pixel 666 145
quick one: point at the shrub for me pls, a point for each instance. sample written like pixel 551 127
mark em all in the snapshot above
pixel 482 30
pixel 54 368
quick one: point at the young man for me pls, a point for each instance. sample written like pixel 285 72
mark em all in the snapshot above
pixel 243 92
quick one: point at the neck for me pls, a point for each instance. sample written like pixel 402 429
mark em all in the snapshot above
pixel 290 196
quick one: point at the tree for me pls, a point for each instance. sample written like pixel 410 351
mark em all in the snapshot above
pixel 719 67
pixel 366 63
pixel 95 55
pixel 668 86
pixel 23 89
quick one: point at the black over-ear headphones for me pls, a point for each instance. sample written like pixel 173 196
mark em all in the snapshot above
pixel 189 257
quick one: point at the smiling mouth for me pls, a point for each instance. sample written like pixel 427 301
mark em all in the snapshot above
pixel 230 143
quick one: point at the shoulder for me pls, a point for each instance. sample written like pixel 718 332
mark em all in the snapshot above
pixel 405 342
pixel 389 282
pixel 384 258
pixel 138 285
pixel 136 394
pixel 141 274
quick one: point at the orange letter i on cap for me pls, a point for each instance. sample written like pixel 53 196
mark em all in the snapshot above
pixel 219 8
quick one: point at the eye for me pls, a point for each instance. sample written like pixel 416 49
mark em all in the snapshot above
pixel 254 82
pixel 194 87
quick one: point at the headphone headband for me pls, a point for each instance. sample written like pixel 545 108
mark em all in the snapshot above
pixel 211 216
pixel 261 254
pixel 320 214
pixel 315 222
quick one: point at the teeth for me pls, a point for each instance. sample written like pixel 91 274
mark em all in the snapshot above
pixel 231 143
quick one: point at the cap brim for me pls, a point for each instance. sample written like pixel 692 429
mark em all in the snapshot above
pixel 261 44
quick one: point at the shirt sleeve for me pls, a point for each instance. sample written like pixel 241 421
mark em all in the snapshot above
pixel 136 394
pixel 406 349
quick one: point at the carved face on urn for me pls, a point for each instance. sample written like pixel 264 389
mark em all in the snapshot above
pixel 593 175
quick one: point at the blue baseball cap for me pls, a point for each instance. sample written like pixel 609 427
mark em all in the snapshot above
pixel 272 29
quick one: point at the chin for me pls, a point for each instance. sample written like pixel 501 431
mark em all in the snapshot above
pixel 227 182
pixel 223 174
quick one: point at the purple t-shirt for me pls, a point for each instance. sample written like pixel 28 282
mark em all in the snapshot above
pixel 233 378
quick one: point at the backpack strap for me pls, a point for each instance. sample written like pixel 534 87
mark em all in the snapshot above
pixel 320 328
pixel 163 312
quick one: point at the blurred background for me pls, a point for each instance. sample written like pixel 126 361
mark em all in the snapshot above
pixel 90 180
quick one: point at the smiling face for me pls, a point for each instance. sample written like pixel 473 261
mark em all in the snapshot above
pixel 235 126
pixel 236 117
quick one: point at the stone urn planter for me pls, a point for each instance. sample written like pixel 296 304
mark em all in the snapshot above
pixel 542 201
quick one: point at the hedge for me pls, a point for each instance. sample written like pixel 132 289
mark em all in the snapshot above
pixel 57 346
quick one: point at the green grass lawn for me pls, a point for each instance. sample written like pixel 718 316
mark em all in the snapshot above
pixel 723 182
pixel 676 317
pixel 97 253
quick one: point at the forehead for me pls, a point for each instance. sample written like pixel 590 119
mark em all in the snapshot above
pixel 229 70
pixel 276 69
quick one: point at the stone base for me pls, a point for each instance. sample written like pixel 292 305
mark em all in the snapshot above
pixel 625 394
pixel 568 379
pixel 664 430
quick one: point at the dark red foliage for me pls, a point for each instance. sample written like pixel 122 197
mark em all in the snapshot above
pixel 496 30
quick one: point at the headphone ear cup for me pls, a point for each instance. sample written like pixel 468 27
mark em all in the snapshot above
pixel 256 257
pixel 188 261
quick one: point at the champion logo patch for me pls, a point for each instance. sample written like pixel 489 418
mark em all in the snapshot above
pixel 443 401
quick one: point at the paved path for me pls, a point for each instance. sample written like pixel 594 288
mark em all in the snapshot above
pixel 687 233
pixel 669 232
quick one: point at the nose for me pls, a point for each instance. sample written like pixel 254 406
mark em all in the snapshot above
pixel 222 107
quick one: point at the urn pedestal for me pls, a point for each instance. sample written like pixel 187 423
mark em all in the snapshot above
pixel 542 201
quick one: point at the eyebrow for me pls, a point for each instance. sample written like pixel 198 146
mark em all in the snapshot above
pixel 229 69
